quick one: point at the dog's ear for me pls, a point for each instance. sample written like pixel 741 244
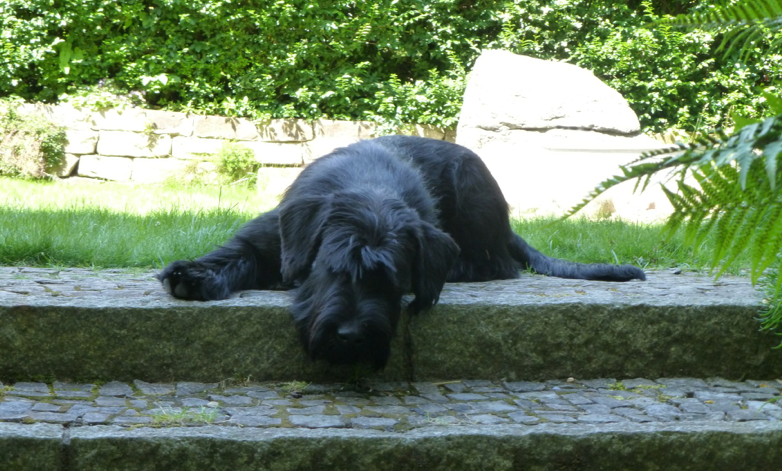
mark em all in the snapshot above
pixel 436 255
pixel 301 226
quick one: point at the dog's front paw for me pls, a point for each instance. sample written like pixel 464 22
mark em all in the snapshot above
pixel 193 281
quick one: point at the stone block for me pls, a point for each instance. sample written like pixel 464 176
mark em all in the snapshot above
pixel 170 122
pixel 158 170
pixel 273 181
pixel 133 144
pixel 424 130
pixel 323 145
pixel 15 410
pixel 560 123
pixel 568 164
pixel 250 335
pixel 68 165
pixel 274 153
pixel 120 119
pixel 219 127
pixel 195 148
pixel 287 130
pixel 519 92
pixel 655 334
pixel 154 389
pixel 116 388
pixel 587 447
pixel 344 129
pixel 81 142
pixel 65 115
pixel 108 168
pixel 30 447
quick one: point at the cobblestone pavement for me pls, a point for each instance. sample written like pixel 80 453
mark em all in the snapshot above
pixel 391 406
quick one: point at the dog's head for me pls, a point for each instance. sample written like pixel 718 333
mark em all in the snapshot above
pixel 355 254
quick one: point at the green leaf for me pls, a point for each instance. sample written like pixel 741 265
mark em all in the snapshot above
pixel 66 52
pixel 748 20
pixel 740 121
pixel 774 102
pixel 771 153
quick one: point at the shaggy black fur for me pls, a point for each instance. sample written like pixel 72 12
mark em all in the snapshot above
pixel 365 225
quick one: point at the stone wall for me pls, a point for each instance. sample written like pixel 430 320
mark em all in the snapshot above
pixel 148 146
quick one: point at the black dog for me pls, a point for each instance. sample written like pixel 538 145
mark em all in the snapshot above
pixel 365 225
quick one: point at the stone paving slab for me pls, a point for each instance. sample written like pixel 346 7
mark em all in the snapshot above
pixel 638 423
pixel 89 325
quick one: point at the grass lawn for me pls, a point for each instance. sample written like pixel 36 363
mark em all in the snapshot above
pixel 107 225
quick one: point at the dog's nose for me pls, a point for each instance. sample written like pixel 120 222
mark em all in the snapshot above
pixel 350 333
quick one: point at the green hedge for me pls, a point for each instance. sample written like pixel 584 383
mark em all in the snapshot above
pixel 387 60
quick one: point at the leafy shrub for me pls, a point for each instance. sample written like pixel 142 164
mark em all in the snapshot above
pixel 293 58
pixel 236 162
pixel 30 144
pixel 388 60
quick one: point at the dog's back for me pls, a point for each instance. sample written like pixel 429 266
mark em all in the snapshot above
pixel 474 212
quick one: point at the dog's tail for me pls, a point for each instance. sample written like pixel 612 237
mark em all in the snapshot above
pixel 529 257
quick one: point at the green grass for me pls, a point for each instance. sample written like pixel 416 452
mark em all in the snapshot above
pixel 293 386
pixel 185 416
pixel 611 241
pixel 130 198
pixel 106 225
pixel 117 225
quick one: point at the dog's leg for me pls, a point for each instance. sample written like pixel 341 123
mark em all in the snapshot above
pixel 249 260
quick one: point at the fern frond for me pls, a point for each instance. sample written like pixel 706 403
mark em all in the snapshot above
pixel 640 169
pixel 743 37
pixel 759 140
pixel 770 153
pixel 747 21
pixel 698 211
pixel 746 222
pixel 737 198
pixel 728 225
pixel 768 237
pixel 742 13
pixel 703 231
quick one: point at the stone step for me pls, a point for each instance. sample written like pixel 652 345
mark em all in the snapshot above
pixel 85 325
pixel 547 447
pixel 665 423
